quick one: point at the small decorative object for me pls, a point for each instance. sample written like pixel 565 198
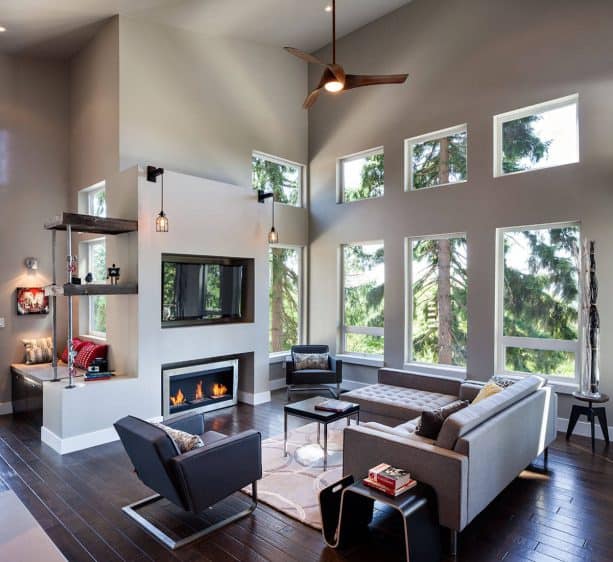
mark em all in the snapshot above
pixel 590 373
pixel 89 277
pixel 113 274
pixel 75 280
pixel 161 220
pixel 32 300
pixel 273 235
pixel 31 263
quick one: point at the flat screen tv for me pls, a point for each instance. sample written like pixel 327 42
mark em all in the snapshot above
pixel 199 290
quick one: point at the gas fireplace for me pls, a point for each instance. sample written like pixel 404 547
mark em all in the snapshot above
pixel 199 388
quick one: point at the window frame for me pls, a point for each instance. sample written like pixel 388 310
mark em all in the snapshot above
pixel 409 363
pixel 302 178
pixel 435 135
pixel 544 344
pixel 500 119
pixel 91 299
pixel 343 329
pixel 302 292
pixel 340 188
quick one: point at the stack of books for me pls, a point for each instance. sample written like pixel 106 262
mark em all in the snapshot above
pixel 389 479
pixel 337 406
pixel 98 376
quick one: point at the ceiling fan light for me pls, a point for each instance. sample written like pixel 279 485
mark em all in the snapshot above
pixel 333 86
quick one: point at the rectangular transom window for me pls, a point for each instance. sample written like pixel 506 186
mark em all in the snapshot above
pixel 275 175
pixel 96 265
pixel 538 300
pixel 363 281
pixel 286 265
pixel 360 176
pixel 437 287
pixel 438 158
pixel 96 201
pixel 535 137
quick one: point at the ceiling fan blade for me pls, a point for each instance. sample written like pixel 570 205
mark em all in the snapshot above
pixel 311 98
pixel 304 56
pixel 359 80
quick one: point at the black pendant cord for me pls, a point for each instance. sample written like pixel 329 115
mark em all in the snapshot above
pixel 333 31
pixel 273 211
pixel 162 209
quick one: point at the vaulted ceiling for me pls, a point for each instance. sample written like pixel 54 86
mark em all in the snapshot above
pixel 59 27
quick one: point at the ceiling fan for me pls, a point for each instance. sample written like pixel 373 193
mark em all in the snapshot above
pixel 334 79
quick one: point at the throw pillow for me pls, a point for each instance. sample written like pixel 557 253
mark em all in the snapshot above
pixel 38 350
pixel 184 441
pixel 88 352
pixel 502 382
pixel 432 420
pixel 488 390
pixel 76 345
pixel 310 361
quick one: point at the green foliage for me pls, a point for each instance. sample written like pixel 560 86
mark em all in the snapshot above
pixel 284 298
pixel 281 179
pixel 521 145
pixel 427 161
pixel 371 180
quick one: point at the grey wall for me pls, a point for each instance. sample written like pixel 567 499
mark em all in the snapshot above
pixel 468 60
pixel 33 181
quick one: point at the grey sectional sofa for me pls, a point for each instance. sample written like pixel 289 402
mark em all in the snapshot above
pixel 479 450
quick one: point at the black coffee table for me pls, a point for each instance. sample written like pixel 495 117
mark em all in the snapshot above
pixel 306 409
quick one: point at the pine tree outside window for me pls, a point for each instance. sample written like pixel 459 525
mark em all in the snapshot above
pixel 536 137
pixel 436 300
pixel 285 304
pixel 96 264
pixel 362 298
pixel 275 175
pixel 537 305
pixel 436 159
pixel 360 176
pixel 96 201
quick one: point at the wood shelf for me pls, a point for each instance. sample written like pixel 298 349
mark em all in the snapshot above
pixel 100 289
pixel 91 224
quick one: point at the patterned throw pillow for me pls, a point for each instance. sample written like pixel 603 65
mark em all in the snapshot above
pixel 184 441
pixel 76 345
pixel 38 350
pixel 431 421
pixel 88 352
pixel 502 382
pixel 310 361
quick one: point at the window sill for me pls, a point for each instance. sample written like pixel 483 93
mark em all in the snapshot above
pixel 559 386
pixel 278 357
pixel 440 370
pixel 367 361
pixel 94 338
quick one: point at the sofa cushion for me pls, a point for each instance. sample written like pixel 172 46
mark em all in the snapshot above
pixel 183 441
pixel 429 383
pixel 397 402
pixel 432 420
pixel 303 361
pixel 406 430
pixel 465 420
pixel 313 376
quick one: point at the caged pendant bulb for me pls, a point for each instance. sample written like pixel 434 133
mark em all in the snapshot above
pixel 161 222
pixel 273 236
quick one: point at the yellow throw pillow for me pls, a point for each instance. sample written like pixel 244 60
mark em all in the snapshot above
pixel 488 390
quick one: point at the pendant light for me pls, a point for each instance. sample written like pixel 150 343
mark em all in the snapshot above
pixel 273 235
pixel 161 220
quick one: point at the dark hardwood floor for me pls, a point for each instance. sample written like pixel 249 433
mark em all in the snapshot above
pixel 564 514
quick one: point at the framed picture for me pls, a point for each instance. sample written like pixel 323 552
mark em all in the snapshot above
pixel 32 300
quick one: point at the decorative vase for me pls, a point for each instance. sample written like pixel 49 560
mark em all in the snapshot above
pixel 590 372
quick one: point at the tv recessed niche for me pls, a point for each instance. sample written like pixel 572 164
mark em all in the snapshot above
pixel 204 290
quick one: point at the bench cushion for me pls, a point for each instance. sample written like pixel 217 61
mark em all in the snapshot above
pixel 396 402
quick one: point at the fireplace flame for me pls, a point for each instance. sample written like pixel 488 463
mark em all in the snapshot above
pixel 199 393
pixel 178 398
pixel 218 389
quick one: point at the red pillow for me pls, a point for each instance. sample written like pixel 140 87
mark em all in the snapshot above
pixel 88 352
pixel 76 345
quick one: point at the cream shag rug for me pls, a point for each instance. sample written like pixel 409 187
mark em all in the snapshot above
pixel 291 484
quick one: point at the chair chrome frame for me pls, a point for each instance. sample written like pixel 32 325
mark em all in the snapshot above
pixel 303 388
pixel 158 534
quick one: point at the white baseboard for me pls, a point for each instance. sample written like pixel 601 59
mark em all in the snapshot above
pixel 6 408
pixel 77 442
pixel 254 399
pixel 582 428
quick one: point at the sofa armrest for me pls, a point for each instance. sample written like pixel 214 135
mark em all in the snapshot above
pixel 336 365
pixel 190 423
pixel 210 474
pixel 428 383
pixel 446 471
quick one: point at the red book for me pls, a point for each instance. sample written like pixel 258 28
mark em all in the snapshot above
pixel 388 491
pixel 390 476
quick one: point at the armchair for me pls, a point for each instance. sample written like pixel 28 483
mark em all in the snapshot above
pixel 307 380
pixel 194 480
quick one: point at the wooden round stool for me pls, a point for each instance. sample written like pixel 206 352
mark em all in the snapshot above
pixel 590 412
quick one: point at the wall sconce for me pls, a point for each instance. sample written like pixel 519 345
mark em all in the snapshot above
pixel 273 235
pixel 161 220
pixel 31 263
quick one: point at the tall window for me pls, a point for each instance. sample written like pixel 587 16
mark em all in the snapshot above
pixel 363 279
pixel 539 136
pixel 281 177
pixel 96 201
pixel 360 176
pixel 437 158
pixel 285 298
pixel 96 264
pixel 538 300
pixel 437 285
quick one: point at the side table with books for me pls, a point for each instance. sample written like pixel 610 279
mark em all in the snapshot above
pixel 347 510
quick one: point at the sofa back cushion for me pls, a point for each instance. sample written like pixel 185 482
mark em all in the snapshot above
pixel 427 383
pixel 460 423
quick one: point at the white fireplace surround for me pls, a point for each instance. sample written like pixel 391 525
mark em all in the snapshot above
pixel 201 369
